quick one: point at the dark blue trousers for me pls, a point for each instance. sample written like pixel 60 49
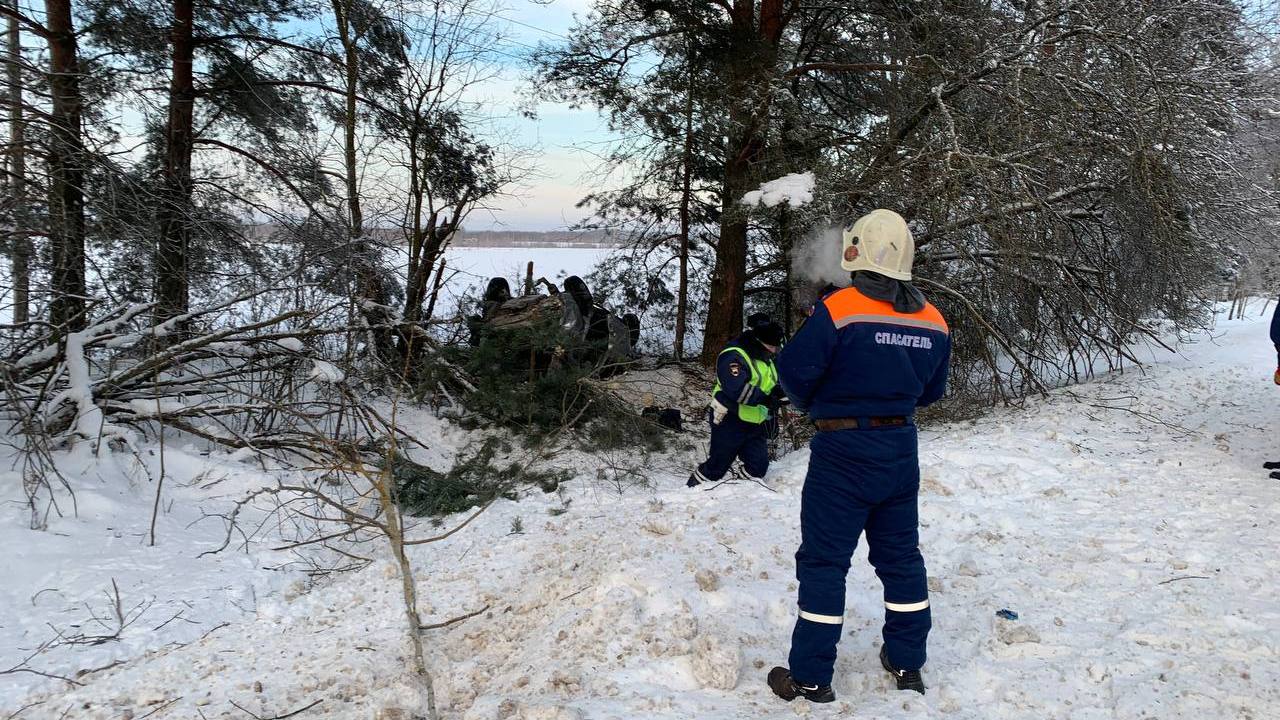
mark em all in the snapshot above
pixel 860 480
pixel 734 439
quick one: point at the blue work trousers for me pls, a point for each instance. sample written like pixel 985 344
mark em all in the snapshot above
pixel 735 439
pixel 860 480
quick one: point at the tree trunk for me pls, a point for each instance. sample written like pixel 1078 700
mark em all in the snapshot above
pixel 435 290
pixel 370 292
pixel 416 279
pixel 757 49
pixel 423 252
pixel 786 245
pixel 66 170
pixel 686 189
pixel 436 235
pixel 728 280
pixel 20 248
pixel 171 283
pixel 416 276
pixel 351 65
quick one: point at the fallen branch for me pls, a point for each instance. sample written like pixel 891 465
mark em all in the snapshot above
pixel 160 707
pixel 442 536
pixel 454 621
pixel 1184 577
pixel 24 708
pixel 20 669
pixel 255 716
pixel 90 671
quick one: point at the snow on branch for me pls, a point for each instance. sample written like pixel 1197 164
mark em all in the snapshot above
pixel 796 190
pixel 241 385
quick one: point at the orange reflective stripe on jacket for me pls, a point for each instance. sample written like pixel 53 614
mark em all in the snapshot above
pixel 850 306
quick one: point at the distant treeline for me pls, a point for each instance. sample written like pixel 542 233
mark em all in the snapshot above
pixel 534 239
pixel 486 238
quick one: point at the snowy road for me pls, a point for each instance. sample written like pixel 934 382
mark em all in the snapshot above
pixel 1130 526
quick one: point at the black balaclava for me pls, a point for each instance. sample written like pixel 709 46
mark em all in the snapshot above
pixel 906 298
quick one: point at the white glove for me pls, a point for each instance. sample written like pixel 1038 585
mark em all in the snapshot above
pixel 718 412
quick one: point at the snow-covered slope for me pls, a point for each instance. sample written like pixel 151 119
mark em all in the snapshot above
pixel 1127 521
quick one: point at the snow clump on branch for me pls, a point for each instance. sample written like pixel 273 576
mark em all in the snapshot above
pixel 795 190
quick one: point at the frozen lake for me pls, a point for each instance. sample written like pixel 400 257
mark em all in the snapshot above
pixel 470 268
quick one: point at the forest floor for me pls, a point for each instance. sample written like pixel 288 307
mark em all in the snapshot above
pixel 1127 521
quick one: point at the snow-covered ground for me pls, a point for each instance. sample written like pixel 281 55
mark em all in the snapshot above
pixel 1127 521
pixel 94 586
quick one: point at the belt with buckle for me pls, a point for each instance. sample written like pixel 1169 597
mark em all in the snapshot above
pixel 863 423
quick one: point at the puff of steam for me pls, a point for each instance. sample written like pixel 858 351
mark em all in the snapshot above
pixel 816 256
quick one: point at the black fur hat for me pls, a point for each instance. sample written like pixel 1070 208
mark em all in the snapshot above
pixel 765 329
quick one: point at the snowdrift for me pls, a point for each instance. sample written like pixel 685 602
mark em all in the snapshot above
pixel 1125 521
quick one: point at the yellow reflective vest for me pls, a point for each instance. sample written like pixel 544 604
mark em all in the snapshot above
pixel 764 377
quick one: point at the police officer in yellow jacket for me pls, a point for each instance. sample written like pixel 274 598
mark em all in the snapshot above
pixel 745 396
pixel 866 358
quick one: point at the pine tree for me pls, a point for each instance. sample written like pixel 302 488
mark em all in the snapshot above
pixel 1025 142
pixel 231 88
pixel 20 248
pixel 66 157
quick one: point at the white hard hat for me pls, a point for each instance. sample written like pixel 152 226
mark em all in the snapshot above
pixel 879 241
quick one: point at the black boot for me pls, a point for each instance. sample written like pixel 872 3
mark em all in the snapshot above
pixel 1274 465
pixel 786 687
pixel 907 679
pixel 1275 475
pixel 696 478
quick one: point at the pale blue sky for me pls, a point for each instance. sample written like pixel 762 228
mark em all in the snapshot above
pixel 563 138
pixel 559 140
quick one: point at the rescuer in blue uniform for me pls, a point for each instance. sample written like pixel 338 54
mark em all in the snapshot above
pixel 1275 340
pixel 866 358
pixel 745 396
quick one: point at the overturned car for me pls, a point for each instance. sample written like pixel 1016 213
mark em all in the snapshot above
pixel 581 329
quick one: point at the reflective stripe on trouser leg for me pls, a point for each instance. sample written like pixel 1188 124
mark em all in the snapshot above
pixel 905 635
pixel 893 538
pixel 824 619
pixel 813 648
pixel 831 518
